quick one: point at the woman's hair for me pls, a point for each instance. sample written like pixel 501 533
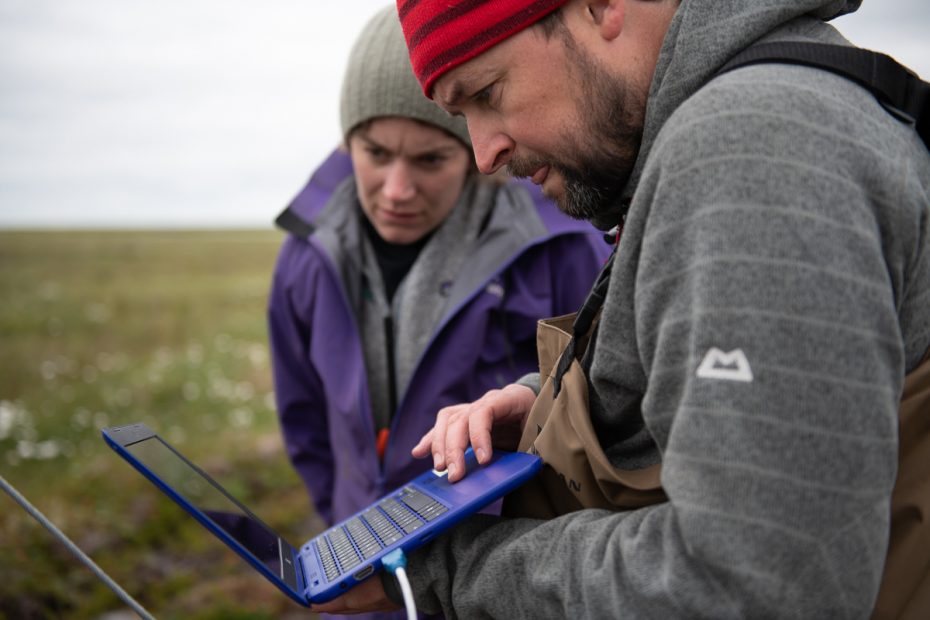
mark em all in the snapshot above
pixel 379 81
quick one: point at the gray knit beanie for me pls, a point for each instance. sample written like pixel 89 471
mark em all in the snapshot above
pixel 379 81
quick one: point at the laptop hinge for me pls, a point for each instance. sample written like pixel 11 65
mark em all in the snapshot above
pixel 303 556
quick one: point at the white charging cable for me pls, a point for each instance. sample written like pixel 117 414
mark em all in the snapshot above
pixel 395 562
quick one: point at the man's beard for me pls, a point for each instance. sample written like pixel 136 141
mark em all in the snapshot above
pixel 596 165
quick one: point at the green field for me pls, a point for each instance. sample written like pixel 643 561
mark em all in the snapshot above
pixel 107 328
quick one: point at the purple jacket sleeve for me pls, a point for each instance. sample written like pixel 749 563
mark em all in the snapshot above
pixel 573 268
pixel 298 390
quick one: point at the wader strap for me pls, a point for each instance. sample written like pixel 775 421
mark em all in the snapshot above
pixel 584 321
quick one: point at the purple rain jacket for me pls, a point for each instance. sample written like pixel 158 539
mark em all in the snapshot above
pixel 486 340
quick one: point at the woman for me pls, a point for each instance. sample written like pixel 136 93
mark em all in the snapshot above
pixel 408 283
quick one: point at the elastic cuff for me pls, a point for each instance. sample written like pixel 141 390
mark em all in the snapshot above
pixel 531 381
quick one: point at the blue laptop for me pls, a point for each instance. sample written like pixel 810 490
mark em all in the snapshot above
pixel 347 553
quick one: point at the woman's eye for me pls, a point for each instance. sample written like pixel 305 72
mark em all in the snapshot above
pixel 376 153
pixel 431 160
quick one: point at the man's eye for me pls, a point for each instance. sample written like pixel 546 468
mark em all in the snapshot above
pixel 483 95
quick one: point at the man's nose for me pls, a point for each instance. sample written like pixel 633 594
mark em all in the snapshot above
pixel 398 182
pixel 493 149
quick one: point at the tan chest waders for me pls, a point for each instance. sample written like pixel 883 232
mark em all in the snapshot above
pixel 577 473
pixel 905 590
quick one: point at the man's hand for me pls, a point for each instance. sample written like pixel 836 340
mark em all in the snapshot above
pixel 366 596
pixel 499 412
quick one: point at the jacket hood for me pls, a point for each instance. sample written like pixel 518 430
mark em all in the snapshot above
pixel 702 36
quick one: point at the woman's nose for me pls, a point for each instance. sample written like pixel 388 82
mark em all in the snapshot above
pixel 398 182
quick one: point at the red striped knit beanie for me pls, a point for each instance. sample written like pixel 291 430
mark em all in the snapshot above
pixel 442 34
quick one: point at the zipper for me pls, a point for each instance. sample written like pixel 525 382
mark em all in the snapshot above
pixel 383 434
pixel 392 371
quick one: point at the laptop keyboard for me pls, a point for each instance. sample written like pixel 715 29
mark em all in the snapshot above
pixel 343 548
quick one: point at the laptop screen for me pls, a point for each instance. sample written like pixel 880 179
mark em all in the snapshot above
pixel 206 496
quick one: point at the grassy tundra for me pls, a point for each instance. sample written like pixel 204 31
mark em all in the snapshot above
pixel 112 327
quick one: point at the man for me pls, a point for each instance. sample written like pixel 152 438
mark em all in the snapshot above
pixel 769 294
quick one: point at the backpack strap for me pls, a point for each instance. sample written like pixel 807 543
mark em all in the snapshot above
pixel 895 86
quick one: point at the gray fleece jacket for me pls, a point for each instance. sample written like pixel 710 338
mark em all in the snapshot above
pixel 771 290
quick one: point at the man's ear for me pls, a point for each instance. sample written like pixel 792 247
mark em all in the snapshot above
pixel 608 16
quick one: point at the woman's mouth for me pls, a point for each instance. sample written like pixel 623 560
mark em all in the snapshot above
pixel 398 216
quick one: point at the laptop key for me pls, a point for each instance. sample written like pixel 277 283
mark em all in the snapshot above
pixel 326 559
pixel 386 531
pixel 431 512
pixel 401 515
pixel 366 542
pixel 424 505
pixel 346 555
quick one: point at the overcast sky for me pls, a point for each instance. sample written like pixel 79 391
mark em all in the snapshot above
pixel 206 112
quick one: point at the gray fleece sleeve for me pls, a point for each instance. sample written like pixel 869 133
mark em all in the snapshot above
pixel 780 227
pixel 531 381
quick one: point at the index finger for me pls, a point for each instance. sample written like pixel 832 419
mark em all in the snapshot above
pixel 470 427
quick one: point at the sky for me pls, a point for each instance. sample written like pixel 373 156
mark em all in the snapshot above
pixel 202 113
